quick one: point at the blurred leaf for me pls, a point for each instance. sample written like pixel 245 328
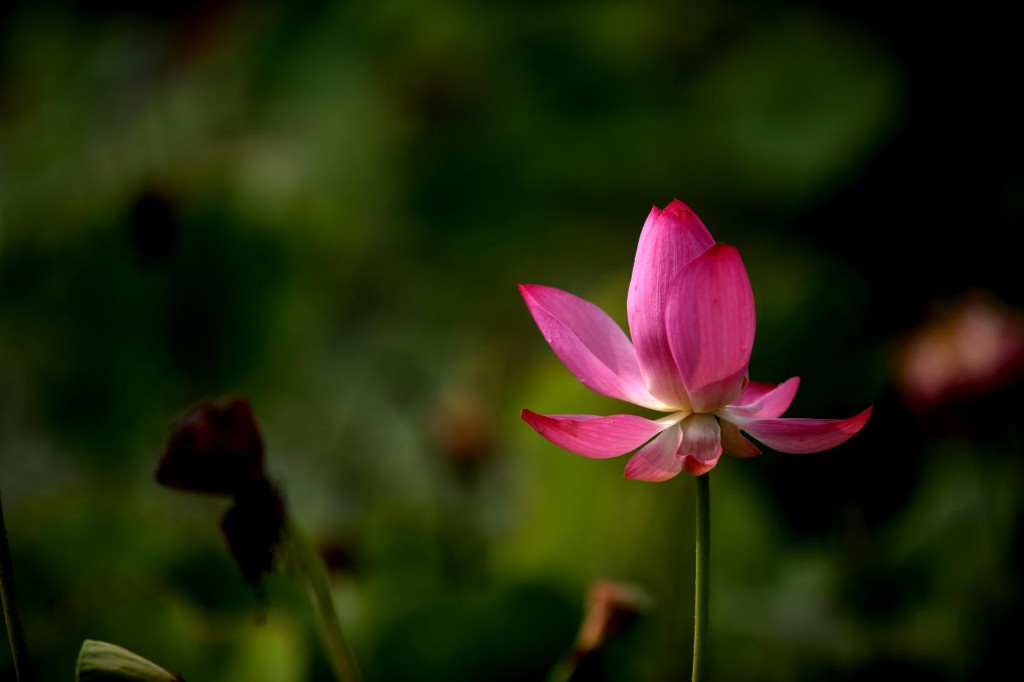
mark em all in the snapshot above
pixel 788 112
pixel 104 662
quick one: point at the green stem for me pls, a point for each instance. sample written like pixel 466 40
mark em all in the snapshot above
pixel 702 578
pixel 311 566
pixel 19 650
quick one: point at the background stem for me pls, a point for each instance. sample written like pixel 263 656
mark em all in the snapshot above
pixel 702 577
pixel 19 650
pixel 311 566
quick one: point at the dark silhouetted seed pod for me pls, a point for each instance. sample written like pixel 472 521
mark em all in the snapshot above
pixel 214 448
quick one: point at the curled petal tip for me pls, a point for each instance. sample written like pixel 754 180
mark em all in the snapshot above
pixel 854 424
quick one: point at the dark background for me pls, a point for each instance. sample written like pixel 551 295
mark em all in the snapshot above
pixel 327 207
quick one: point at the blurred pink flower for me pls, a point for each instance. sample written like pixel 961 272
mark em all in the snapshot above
pixel 691 316
pixel 971 348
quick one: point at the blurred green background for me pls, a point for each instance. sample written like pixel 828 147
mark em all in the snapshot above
pixel 327 207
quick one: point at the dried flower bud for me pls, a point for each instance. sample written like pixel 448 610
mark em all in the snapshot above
pixel 104 662
pixel 610 606
pixel 214 448
pixel 252 528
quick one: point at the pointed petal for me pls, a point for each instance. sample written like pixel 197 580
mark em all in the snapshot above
pixel 657 461
pixel 701 444
pixel 591 436
pixel 764 401
pixel 710 326
pixel 671 238
pixel 733 442
pixel 590 343
pixel 800 436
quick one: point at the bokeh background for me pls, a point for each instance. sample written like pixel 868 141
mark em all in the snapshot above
pixel 326 207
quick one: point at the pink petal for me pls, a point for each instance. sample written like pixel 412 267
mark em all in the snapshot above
pixel 800 436
pixel 764 401
pixel 657 461
pixel 590 343
pixel 671 238
pixel 590 436
pixel 733 442
pixel 701 444
pixel 710 327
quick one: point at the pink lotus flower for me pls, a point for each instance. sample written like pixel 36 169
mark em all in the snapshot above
pixel 691 315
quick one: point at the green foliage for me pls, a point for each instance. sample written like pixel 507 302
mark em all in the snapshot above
pixel 327 207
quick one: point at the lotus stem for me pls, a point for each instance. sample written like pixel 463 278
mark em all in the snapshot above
pixel 702 578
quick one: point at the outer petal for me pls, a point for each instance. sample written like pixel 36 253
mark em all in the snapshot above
pixel 657 461
pixel 710 327
pixel 590 436
pixel 764 401
pixel 671 238
pixel 800 436
pixel 701 445
pixel 590 343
